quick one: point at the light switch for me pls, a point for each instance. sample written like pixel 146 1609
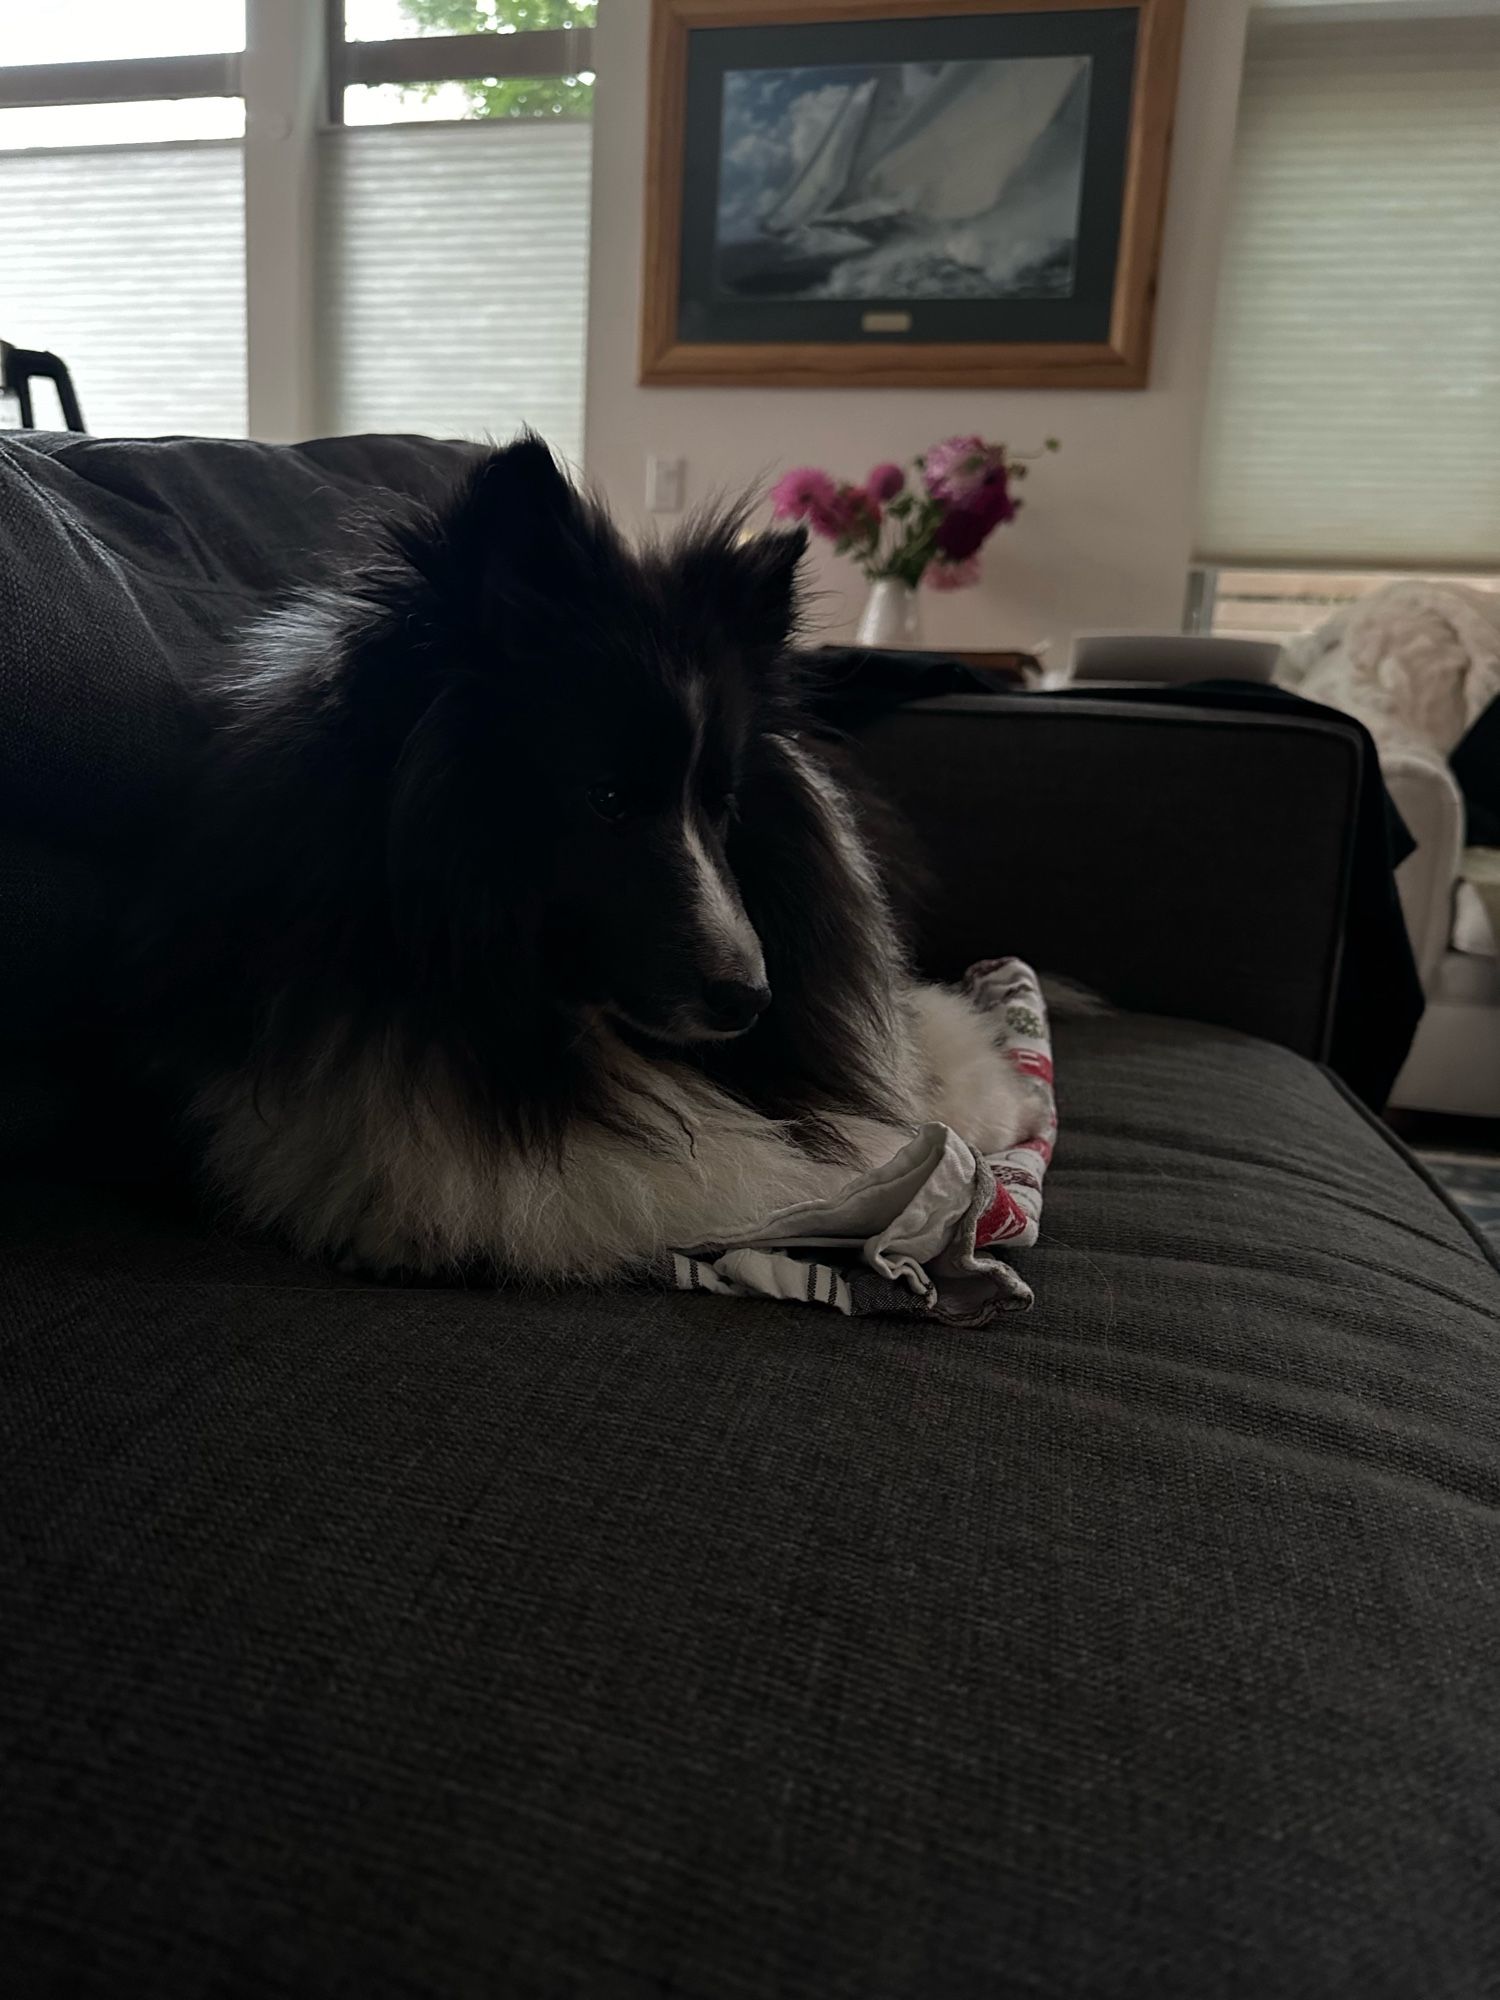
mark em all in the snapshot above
pixel 664 484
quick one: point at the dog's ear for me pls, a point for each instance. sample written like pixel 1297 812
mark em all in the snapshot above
pixel 771 564
pixel 514 537
pixel 746 584
pixel 518 498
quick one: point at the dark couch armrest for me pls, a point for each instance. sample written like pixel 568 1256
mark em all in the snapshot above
pixel 1181 860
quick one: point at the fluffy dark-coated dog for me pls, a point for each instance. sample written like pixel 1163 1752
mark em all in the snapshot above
pixel 518 921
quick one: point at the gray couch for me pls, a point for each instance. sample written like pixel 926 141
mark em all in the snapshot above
pixel 376 1641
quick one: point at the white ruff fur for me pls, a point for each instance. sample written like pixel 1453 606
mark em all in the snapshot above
pixel 353 1167
pixel 345 1161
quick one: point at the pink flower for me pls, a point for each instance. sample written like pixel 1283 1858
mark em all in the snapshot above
pixel 992 503
pixel 800 494
pixel 960 534
pixel 964 530
pixel 952 575
pixel 830 520
pixel 885 482
pixel 850 511
pixel 865 509
pixel 955 469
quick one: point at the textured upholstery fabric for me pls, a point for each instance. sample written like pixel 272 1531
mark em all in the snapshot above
pixel 428 1642
pixel 127 564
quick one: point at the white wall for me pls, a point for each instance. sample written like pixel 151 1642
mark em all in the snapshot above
pixel 1105 537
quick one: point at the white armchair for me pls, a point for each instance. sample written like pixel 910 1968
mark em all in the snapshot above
pixel 1429 801
pixel 1454 1063
pixel 1418 663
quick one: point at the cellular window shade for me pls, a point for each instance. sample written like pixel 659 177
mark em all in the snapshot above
pixel 129 262
pixel 455 266
pixel 1354 402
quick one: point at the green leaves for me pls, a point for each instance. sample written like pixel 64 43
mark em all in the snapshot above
pixel 476 17
pixel 518 96
pixel 906 554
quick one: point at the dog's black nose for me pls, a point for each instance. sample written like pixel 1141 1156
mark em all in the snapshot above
pixel 732 1006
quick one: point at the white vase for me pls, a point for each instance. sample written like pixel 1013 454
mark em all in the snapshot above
pixel 892 615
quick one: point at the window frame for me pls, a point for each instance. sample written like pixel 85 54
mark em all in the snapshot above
pixel 121 80
pixel 448 58
pixel 1204 586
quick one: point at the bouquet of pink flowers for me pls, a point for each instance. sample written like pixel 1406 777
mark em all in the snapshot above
pixel 930 527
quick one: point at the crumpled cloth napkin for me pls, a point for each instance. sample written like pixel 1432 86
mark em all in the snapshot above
pixel 916 1235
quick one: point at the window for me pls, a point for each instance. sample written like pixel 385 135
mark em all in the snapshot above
pixel 453 242
pixel 1278 604
pixel 1353 425
pixel 107 31
pixel 124 219
pixel 197 222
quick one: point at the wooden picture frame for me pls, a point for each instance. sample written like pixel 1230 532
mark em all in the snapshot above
pixel 1116 355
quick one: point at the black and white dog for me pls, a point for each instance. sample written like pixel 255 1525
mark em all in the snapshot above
pixel 519 924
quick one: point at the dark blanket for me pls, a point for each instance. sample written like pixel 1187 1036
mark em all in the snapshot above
pixel 126 569
pixel 125 566
pixel 853 684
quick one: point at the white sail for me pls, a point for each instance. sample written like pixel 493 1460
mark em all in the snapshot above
pixel 957 149
pixel 941 141
pixel 899 89
pixel 822 182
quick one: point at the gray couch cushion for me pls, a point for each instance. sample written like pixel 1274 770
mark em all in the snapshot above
pixel 417 1642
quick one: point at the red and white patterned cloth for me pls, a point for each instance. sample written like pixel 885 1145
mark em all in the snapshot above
pixel 919 1234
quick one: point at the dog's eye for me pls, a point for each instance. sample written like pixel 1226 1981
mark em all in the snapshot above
pixel 609 801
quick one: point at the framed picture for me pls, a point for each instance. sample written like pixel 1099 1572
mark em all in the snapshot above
pixel 917 192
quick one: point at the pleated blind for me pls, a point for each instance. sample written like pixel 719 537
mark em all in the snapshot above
pixel 1354 403
pixel 129 262
pixel 455 272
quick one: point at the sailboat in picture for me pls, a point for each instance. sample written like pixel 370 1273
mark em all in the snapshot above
pixel 931 179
